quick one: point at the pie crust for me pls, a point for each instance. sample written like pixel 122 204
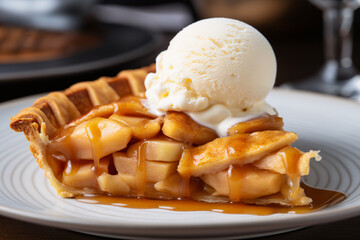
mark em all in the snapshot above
pixel 40 121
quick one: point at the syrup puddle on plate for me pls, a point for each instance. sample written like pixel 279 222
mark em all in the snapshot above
pixel 321 199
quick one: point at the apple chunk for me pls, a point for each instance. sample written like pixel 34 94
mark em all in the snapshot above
pixel 251 183
pixel 173 185
pixel 142 127
pixel 181 127
pixel 265 122
pixel 80 175
pixel 99 137
pixel 155 171
pixel 113 184
pixel 159 150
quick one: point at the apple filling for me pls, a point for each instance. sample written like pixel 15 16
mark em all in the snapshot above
pixel 121 149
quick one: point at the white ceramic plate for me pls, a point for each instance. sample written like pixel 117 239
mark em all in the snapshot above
pixel 326 123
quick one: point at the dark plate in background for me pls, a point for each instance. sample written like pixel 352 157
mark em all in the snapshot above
pixel 120 44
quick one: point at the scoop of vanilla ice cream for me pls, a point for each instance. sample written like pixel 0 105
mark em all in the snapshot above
pixel 216 61
pixel 213 61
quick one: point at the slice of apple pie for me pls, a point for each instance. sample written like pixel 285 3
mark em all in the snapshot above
pixel 100 138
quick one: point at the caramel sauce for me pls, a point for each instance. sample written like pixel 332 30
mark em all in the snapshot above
pixel 234 177
pixel 185 177
pixel 321 199
pixel 290 157
pixel 94 134
pixel 140 175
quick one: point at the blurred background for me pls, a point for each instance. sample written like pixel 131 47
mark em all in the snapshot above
pixel 47 45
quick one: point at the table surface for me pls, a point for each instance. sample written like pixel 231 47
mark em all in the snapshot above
pixel 12 229
pixel 306 58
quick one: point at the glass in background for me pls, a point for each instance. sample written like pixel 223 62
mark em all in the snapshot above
pixel 338 75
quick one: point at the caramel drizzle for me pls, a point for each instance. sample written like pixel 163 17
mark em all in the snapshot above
pixel 94 134
pixel 185 189
pixel 234 178
pixel 290 157
pixel 140 175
